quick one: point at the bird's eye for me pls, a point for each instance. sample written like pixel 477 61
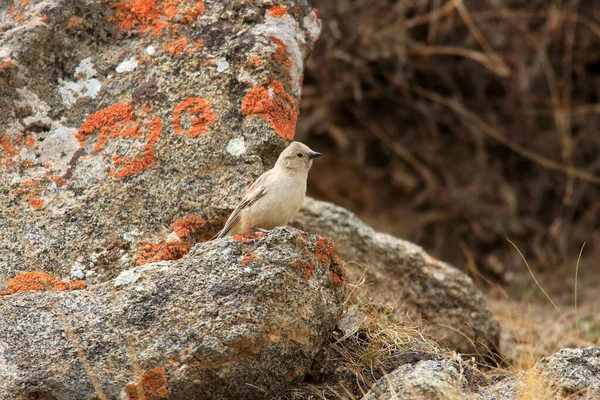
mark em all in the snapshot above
pixel 300 155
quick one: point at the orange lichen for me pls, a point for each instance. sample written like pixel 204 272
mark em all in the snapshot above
pixel 36 203
pixel 255 61
pixel 245 239
pixel 279 50
pixel 39 282
pixel 169 250
pixel 316 11
pixel 30 141
pixel 277 11
pixel 176 46
pixel 110 122
pixel 280 56
pixel 280 110
pixel 118 121
pixel 5 64
pixel 307 266
pixel 337 270
pixel 324 251
pixel 249 258
pixel 29 183
pixel 188 225
pixel 288 67
pixel 152 386
pixel 154 16
pixel 193 106
pixel 197 44
pixel 8 151
pixel 58 180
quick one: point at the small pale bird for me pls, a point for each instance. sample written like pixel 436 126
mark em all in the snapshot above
pixel 276 196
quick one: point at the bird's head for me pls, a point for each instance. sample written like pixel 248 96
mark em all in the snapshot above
pixel 297 157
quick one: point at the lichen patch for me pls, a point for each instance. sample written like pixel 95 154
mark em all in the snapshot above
pixel 39 282
pixel 86 84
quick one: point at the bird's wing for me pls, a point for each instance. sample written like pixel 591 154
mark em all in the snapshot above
pixel 255 192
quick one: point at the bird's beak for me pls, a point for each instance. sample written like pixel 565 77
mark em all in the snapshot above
pixel 314 154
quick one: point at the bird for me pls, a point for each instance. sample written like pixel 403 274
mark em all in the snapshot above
pixel 276 196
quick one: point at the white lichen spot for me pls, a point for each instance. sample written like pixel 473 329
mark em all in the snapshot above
pixel 85 85
pixel 222 64
pixel 151 50
pixel 77 271
pixel 57 146
pixel 127 65
pixel 130 236
pixel 126 277
pixel 85 69
pixel 237 146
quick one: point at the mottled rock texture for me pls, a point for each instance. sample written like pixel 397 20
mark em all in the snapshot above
pixel 401 274
pixel 567 374
pixel 428 379
pixel 234 319
pixel 122 117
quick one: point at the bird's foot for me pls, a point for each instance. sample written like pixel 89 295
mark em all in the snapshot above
pixel 261 229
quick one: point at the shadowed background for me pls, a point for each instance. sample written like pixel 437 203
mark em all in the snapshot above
pixel 457 124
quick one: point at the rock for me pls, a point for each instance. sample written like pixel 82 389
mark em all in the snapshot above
pixel 120 119
pixel 401 274
pixel 233 319
pixel 568 373
pixel 429 379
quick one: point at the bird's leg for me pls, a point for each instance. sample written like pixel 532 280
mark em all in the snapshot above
pixel 256 228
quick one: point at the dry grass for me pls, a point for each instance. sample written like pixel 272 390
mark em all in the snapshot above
pixel 371 342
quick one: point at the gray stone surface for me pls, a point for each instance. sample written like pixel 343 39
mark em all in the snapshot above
pixel 567 374
pixel 231 320
pixel 426 380
pixel 574 370
pixel 121 117
pixel 401 274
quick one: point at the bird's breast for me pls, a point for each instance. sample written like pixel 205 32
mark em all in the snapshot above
pixel 280 204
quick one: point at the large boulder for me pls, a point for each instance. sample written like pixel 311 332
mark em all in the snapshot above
pixel 120 118
pixel 402 274
pixel 234 319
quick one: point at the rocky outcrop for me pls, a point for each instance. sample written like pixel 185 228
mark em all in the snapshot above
pixel 123 118
pixel 401 274
pixel 569 373
pixel 233 319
